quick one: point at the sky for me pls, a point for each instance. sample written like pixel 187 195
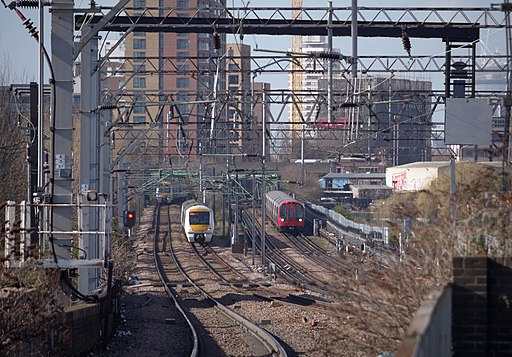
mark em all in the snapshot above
pixel 19 51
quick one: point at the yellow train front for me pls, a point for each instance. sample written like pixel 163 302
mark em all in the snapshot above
pixel 197 221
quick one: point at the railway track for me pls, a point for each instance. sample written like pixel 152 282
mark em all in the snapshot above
pixel 289 269
pixel 332 261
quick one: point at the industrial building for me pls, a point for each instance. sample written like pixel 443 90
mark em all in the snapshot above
pixel 418 175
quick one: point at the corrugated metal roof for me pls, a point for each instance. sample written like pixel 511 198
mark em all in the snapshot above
pixel 422 164
pixel 373 175
pixel 372 187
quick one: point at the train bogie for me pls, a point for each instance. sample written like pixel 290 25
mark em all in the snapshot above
pixel 197 221
pixel 287 214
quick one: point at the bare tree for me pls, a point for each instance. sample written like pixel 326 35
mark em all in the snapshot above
pixel 382 293
pixel 13 170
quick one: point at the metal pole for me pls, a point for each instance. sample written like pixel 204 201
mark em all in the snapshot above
pixel 223 214
pixel 354 38
pixel 62 134
pixel 453 192
pixel 40 121
pixel 88 278
pixel 201 173
pixel 253 225
pixel 329 67
pixel 302 157
pixel 508 103
pixel 33 157
pixel 263 188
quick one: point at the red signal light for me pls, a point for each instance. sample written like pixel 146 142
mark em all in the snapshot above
pixel 130 219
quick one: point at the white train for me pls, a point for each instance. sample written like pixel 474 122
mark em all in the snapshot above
pixel 197 221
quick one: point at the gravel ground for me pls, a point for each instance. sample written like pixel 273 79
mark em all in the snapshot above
pixel 146 332
pixel 146 329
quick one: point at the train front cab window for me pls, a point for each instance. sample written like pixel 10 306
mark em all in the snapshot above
pixel 282 213
pixel 300 212
pixel 199 218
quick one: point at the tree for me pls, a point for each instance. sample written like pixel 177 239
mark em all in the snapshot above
pixel 13 170
pixel 381 293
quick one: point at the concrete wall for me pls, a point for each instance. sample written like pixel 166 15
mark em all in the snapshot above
pixel 472 318
pixel 414 177
pixel 83 327
pixel 430 330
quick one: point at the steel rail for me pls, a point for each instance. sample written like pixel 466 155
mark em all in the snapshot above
pixel 161 274
pixel 289 272
pixel 260 333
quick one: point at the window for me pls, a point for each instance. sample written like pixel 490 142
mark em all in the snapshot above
pixel 139 43
pixel 300 212
pixel 182 34
pixel 199 217
pixel 233 67
pixel 182 82
pixel 184 108
pixel 183 4
pixel 233 80
pixel 203 62
pixel 204 46
pixel 282 213
pixel 183 69
pixel 183 134
pixel 139 82
pixel 139 68
pixel 139 110
pixel 139 56
pixel 203 4
pixel 182 96
pixel 182 44
pixel 139 3
pixel 139 96
pixel 181 56
pixel 139 34
pixel 182 146
pixel 184 119
pixel 138 119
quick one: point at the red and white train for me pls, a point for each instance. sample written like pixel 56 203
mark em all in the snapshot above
pixel 285 212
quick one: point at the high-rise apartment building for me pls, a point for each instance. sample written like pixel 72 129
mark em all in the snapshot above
pixel 316 69
pixel 310 98
pixel 241 126
pixel 176 69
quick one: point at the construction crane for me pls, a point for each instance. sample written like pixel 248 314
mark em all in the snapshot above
pixel 296 74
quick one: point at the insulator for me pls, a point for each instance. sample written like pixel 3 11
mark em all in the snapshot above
pixel 406 42
pixel 27 4
pixel 216 40
pixel 31 29
pixel 107 106
pixel 329 55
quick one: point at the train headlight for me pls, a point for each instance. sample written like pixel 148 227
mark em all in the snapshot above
pixel 282 219
pixel 300 219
